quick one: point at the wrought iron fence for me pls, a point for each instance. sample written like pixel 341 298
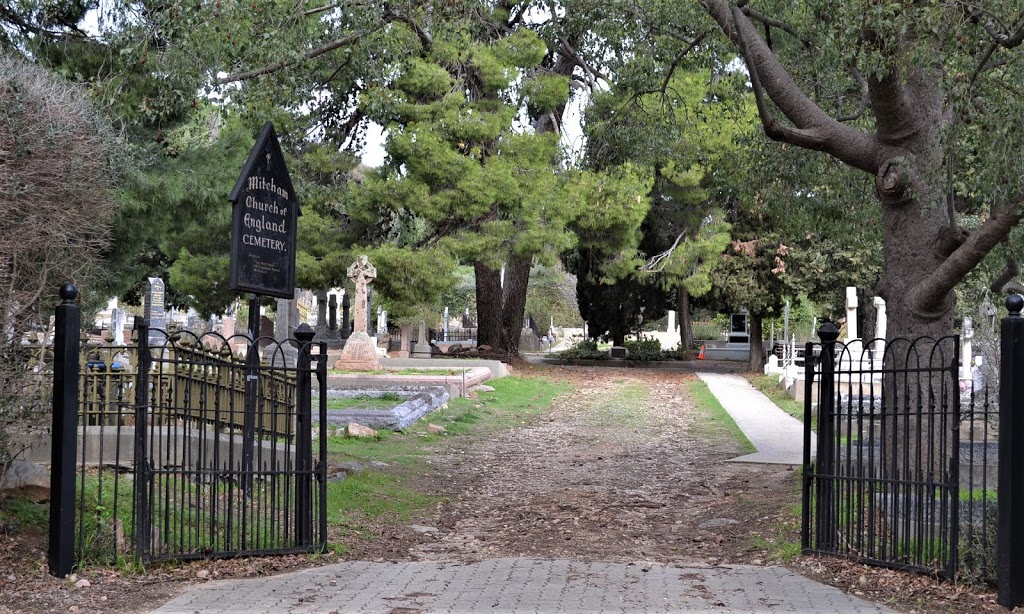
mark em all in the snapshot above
pixel 904 470
pixel 452 335
pixel 187 451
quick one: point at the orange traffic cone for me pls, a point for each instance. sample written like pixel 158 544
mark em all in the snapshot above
pixel 701 355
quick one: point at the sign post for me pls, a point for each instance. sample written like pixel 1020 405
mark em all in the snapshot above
pixel 265 212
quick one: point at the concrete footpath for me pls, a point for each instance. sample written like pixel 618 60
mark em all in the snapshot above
pixel 521 585
pixel 778 437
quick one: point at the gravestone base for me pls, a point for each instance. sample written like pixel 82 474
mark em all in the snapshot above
pixel 359 353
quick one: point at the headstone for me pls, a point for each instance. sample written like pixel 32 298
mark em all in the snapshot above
pixel 467 320
pixel 284 353
pixel 322 322
pixel 880 326
pixel 851 314
pixel 329 333
pixel 446 324
pixel 617 351
pixel 738 329
pixel 422 346
pixel 405 342
pixel 362 274
pixel 155 312
pixel 346 326
pixel 118 319
pixel 360 352
pixel 966 355
pixel 671 321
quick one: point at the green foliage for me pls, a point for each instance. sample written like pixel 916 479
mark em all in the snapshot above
pixel 552 297
pixel 644 349
pixel 412 281
pixel 585 349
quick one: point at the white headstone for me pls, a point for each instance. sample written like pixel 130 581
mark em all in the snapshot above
pixel 671 321
pixel 851 313
pixel 966 358
pixel 881 326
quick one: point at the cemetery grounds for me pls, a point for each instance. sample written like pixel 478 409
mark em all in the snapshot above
pixel 595 464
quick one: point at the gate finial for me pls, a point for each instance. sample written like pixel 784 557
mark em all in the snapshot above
pixel 1015 303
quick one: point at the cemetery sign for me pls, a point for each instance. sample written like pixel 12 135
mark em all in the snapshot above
pixel 264 215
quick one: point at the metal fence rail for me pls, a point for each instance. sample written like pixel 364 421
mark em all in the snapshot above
pixel 903 475
pixel 185 451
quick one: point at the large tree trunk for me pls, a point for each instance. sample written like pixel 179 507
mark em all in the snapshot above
pixel 926 254
pixel 685 323
pixel 756 362
pixel 517 281
pixel 489 301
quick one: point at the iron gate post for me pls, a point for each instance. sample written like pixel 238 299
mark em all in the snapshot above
pixel 141 461
pixel 825 458
pixel 64 453
pixel 304 439
pixel 1010 537
pixel 808 473
pixel 252 378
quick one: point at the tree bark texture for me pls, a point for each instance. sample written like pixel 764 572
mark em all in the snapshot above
pixel 756 362
pixel 517 280
pixel 489 302
pixel 685 322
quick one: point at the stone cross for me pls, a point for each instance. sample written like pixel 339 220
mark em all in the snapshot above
pixel 362 274
pixel 333 323
pixel 321 312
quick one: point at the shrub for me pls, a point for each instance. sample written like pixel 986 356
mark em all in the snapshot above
pixel 585 349
pixel 645 349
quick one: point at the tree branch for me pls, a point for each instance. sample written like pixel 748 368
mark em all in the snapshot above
pixel 864 97
pixel 932 290
pixel 426 41
pixel 309 55
pixel 775 23
pixel 812 127
pixel 679 58
pixel 1000 36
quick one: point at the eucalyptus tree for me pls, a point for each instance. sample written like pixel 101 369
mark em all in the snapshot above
pixel 921 97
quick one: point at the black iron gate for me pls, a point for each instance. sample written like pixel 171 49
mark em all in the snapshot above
pixel 189 451
pixel 883 486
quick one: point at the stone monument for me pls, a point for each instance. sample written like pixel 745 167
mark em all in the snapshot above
pixel 284 353
pixel 421 349
pixel 327 325
pixel 360 352
pixel 154 312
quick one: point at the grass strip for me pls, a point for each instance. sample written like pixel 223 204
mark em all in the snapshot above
pixel 715 414
pixel 769 387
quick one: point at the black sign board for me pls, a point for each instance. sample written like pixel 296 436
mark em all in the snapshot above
pixel 263 222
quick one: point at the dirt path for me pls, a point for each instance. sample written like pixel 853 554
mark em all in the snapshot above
pixel 624 468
